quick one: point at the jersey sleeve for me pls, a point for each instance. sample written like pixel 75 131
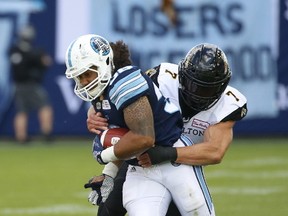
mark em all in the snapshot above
pixel 127 86
pixel 236 105
pixel 237 115
pixel 153 73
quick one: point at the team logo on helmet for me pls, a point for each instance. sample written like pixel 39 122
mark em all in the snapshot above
pixel 100 45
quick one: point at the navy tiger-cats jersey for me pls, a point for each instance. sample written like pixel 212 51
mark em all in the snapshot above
pixel 127 85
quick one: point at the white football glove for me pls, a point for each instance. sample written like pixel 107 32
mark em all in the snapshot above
pixel 107 187
pixel 101 188
pixel 102 185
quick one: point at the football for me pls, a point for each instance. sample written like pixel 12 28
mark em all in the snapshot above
pixel 111 136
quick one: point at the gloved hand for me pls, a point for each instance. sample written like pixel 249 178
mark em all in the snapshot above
pixel 97 145
pixel 101 188
pixel 97 148
pixel 95 184
pixel 107 187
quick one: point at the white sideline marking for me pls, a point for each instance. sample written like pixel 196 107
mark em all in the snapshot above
pixel 248 175
pixel 259 162
pixel 56 209
pixel 245 191
pixel 82 195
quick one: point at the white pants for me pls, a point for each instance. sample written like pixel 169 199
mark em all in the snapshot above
pixel 149 191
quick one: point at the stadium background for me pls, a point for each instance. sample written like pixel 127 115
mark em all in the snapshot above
pixel 255 43
pixel 43 179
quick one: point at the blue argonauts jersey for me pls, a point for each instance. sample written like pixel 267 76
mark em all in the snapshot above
pixel 127 85
pixel 230 106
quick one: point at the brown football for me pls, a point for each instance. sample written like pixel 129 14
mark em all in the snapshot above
pixel 111 136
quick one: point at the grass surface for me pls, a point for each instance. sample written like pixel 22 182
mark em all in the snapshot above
pixel 47 179
pixel 252 180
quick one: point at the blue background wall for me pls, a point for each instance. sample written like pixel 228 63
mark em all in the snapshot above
pixel 70 112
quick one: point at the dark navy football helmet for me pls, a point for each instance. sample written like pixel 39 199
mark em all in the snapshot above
pixel 203 76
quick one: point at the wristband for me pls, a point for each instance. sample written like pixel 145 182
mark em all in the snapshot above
pixel 159 154
pixel 108 155
pixel 168 154
pixel 110 169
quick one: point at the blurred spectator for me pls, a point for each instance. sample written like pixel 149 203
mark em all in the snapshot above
pixel 29 64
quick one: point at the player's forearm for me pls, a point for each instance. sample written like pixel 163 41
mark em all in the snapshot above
pixel 217 139
pixel 200 154
pixel 129 146
pixel 132 145
pixel 112 168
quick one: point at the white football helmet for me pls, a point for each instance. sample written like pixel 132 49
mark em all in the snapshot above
pixel 85 52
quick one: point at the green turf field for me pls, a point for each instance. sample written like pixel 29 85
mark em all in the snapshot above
pixel 42 179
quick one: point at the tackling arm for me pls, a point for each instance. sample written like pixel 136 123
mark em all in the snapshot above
pixel 217 139
pixel 95 122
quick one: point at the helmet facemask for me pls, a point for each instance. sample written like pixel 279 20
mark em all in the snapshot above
pixel 92 89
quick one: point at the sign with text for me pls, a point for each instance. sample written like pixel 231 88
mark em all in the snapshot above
pixel 248 38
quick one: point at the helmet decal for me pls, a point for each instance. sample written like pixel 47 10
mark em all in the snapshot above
pixel 99 44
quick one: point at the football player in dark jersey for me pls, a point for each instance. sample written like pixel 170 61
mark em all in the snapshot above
pixel 210 108
pixel 128 98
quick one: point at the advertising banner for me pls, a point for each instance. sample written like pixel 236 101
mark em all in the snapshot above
pixel 253 35
pixel 249 39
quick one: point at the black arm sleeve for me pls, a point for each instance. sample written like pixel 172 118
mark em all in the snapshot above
pixel 237 115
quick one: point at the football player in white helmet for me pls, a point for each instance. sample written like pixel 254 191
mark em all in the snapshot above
pixel 89 53
pixel 128 98
pixel 210 109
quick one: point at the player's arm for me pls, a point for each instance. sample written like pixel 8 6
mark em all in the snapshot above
pixel 138 117
pixel 217 139
pixel 96 123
